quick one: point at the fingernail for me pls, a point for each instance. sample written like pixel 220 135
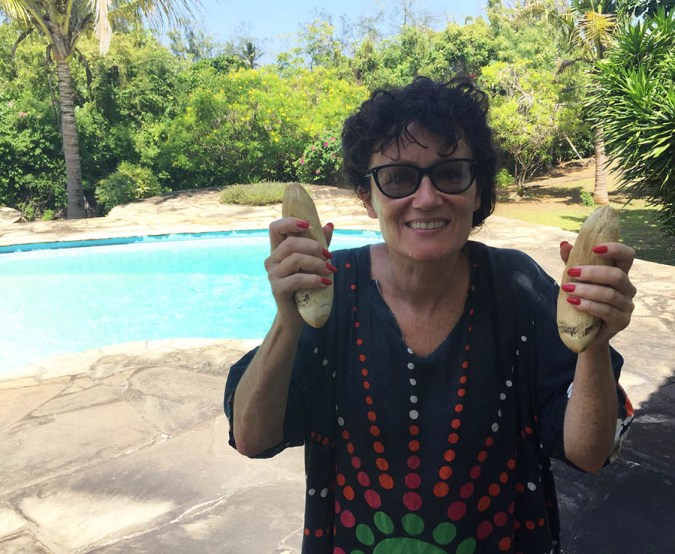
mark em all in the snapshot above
pixel 327 254
pixel 568 287
pixel 574 272
pixel 302 224
pixel 564 243
pixel 326 281
pixel 602 249
pixel 330 224
pixel 331 267
pixel 574 300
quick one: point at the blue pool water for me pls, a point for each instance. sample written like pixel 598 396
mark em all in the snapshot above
pixel 72 297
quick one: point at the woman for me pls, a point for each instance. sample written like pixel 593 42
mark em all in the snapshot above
pixel 431 401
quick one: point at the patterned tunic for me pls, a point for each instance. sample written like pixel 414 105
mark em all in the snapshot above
pixel 441 453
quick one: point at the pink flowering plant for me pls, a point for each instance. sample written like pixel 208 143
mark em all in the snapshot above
pixel 321 160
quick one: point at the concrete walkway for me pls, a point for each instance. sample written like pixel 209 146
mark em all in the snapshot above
pixel 124 449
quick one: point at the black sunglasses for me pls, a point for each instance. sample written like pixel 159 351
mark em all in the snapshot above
pixel 400 180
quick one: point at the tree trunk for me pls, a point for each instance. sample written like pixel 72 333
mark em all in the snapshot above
pixel 71 143
pixel 600 195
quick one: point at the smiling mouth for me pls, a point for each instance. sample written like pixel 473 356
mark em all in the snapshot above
pixel 427 225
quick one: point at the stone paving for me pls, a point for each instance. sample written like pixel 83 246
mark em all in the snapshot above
pixel 123 449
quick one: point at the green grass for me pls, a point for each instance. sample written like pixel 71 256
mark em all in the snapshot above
pixel 255 194
pixel 559 203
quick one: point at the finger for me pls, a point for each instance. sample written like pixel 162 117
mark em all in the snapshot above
pixel 604 275
pixel 598 294
pixel 281 229
pixel 613 318
pixel 328 232
pixel 565 249
pixel 621 254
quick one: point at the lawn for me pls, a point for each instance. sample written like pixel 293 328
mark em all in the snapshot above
pixel 555 200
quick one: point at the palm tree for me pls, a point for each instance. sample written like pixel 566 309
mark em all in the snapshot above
pixel 588 26
pixel 62 23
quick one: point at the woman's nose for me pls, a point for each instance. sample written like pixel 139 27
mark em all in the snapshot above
pixel 426 194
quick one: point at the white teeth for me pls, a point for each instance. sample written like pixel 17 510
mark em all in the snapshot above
pixel 427 224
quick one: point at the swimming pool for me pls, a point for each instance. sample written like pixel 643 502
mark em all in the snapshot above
pixel 69 297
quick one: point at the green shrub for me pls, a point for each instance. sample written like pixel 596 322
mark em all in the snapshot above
pixel 504 179
pixel 130 182
pixel 587 198
pixel 256 194
pixel 321 161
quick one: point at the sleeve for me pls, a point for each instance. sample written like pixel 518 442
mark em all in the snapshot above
pixel 294 420
pixel 554 365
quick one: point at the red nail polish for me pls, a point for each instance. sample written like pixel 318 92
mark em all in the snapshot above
pixel 302 224
pixel 330 224
pixel 574 272
pixel 602 249
pixel 574 300
pixel 568 287
pixel 327 254
pixel 331 267
pixel 325 281
pixel 564 243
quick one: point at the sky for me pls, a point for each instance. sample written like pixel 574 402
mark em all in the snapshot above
pixel 274 23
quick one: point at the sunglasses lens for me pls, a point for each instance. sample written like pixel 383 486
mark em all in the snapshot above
pixel 397 181
pixel 453 176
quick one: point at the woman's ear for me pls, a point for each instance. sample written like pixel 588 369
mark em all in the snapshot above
pixel 367 200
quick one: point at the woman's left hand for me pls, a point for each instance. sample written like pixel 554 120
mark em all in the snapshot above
pixel 603 291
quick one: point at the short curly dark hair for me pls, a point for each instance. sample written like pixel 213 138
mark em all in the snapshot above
pixel 453 110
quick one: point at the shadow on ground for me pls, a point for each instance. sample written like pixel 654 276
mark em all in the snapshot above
pixel 628 507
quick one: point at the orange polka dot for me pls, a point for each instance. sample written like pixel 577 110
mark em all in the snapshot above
pixel 461 393
pixel 386 481
pixel 378 447
pixel 364 372
pixel 369 400
pixel 503 477
pixel 372 416
pixel 340 479
pixel 530 524
pixel 467 348
pixel 449 455
pixel 505 544
pixel 541 522
pixel 382 464
pixel 362 357
pixel 414 430
pixel 348 493
pixel 348 265
pixel 484 503
pixel 350 448
pixel 353 287
pixel 453 438
pixel 472 311
pixel 465 364
pixel 414 446
pixel 307 532
pixel 511 464
pixel 482 455
pixel 357 324
pixel 445 472
pixel 463 379
pixel 359 342
pixel 318 533
pixel 366 385
pixel 345 434
pixel 458 408
pixel 456 423
pixel 441 489
pixel 494 489
pixel 375 430
pixel 489 442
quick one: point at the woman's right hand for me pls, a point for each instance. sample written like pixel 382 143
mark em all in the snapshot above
pixel 296 262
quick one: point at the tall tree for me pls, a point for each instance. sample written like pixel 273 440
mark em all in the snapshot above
pixel 62 23
pixel 589 26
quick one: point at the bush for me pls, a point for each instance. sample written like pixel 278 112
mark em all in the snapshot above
pixel 130 182
pixel 587 198
pixel 504 178
pixel 635 104
pixel 257 194
pixel 321 161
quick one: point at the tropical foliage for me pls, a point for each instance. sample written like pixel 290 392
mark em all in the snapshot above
pixel 152 117
pixel 635 101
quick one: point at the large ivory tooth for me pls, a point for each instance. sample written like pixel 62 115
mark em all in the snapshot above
pixel 577 329
pixel 314 305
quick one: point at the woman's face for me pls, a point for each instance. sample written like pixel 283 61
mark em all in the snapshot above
pixel 428 225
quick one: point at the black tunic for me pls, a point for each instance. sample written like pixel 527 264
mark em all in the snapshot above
pixel 443 453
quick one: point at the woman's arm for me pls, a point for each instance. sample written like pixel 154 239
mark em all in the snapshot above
pixel 591 415
pixel 261 396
